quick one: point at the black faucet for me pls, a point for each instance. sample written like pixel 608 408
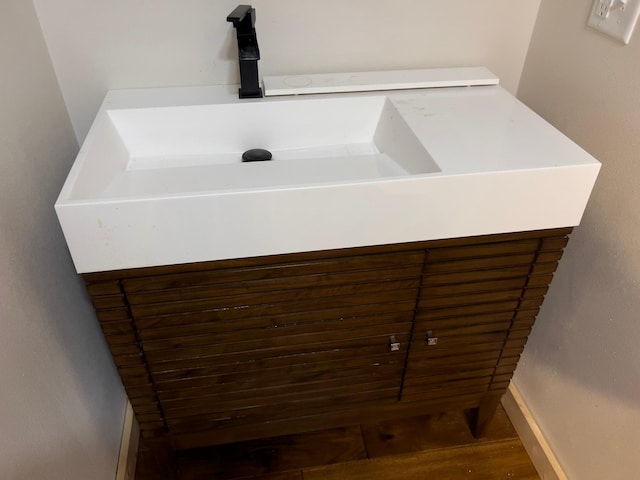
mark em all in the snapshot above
pixel 244 20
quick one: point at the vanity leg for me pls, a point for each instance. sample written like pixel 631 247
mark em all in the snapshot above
pixel 482 415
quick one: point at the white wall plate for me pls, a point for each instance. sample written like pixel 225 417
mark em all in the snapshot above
pixel 616 18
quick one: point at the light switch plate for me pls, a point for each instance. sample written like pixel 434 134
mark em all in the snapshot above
pixel 616 18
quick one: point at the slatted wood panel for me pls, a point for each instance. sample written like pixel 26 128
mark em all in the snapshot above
pixel 475 311
pixel 228 347
pixel 122 336
pixel 271 345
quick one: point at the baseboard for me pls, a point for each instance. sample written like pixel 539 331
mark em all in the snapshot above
pixel 128 446
pixel 531 436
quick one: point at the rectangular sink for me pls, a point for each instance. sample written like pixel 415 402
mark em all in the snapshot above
pixel 178 149
pixel 159 179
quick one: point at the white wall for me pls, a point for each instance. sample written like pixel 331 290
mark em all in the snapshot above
pixel 580 373
pixel 97 45
pixel 61 402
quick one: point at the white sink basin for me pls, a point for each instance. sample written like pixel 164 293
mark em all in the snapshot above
pixel 159 179
pixel 137 152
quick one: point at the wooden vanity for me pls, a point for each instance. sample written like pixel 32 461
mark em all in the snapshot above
pixel 222 351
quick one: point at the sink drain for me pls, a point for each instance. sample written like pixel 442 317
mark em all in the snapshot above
pixel 256 155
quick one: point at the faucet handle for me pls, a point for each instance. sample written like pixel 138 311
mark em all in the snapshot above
pixel 239 16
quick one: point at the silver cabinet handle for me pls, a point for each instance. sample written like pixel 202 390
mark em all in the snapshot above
pixel 393 344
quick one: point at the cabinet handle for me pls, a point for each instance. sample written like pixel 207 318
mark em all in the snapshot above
pixel 429 339
pixel 393 344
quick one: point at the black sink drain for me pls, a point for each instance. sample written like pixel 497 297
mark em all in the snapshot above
pixel 256 155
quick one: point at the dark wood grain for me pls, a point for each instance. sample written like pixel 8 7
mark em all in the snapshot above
pixel 431 432
pixel 279 344
pixel 499 460
pixel 211 322
pixel 210 404
pixel 315 406
pixel 254 389
pixel 462 277
pixel 218 284
pixel 252 339
pixel 231 308
pixel 482 263
pixel 366 346
pixel 483 250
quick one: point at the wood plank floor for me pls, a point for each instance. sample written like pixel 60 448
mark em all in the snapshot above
pixel 431 447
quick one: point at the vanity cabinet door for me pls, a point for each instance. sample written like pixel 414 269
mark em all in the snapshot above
pixel 241 347
pixel 475 310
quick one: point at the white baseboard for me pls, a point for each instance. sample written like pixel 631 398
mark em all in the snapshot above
pixel 128 446
pixel 531 436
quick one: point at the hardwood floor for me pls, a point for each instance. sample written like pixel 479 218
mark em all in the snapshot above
pixel 439 447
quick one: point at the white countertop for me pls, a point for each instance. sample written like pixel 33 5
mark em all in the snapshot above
pixel 500 168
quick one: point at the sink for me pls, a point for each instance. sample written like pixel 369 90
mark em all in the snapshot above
pixel 137 152
pixel 159 179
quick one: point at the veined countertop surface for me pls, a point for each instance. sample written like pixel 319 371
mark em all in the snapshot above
pixel 493 166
